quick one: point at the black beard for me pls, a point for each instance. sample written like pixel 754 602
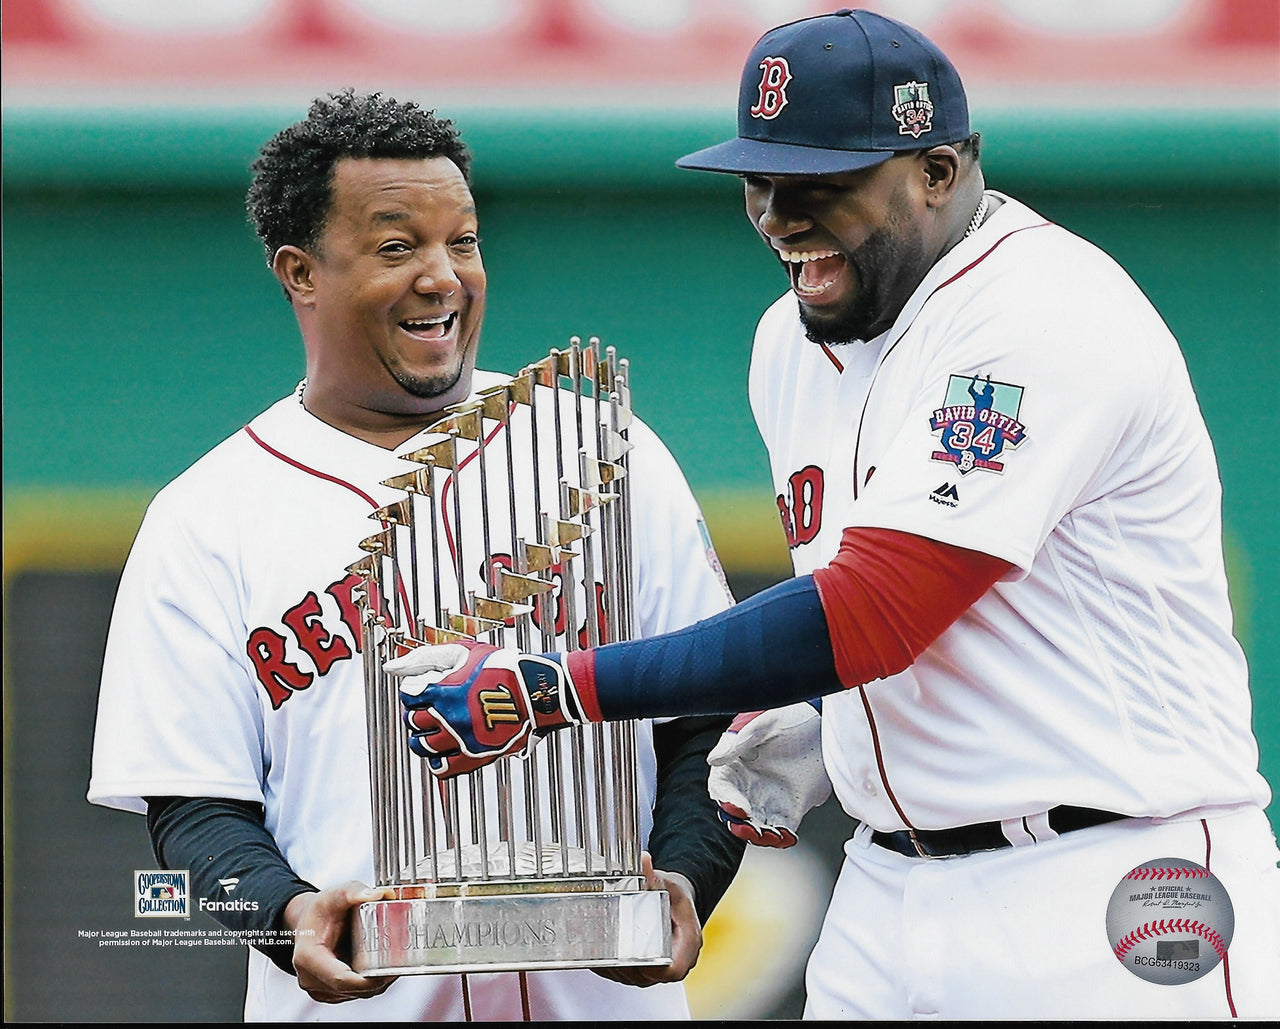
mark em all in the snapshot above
pixel 851 325
pixel 889 266
pixel 428 388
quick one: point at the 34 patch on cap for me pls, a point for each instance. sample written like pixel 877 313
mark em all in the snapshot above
pixel 912 109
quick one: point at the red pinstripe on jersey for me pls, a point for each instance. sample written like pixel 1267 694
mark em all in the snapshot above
pixel 294 463
pixel 1226 958
pixel 889 350
pixel 871 722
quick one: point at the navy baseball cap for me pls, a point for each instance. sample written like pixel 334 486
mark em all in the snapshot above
pixel 837 93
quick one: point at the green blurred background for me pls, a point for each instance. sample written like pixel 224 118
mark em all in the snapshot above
pixel 141 327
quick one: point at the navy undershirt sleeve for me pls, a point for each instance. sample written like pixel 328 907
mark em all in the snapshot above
pixel 770 650
pixel 216 839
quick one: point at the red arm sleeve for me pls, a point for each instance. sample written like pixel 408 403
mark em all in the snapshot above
pixel 887 595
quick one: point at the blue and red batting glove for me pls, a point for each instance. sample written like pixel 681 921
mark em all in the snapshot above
pixel 468 704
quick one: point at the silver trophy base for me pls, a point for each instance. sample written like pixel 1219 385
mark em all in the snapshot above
pixel 508 932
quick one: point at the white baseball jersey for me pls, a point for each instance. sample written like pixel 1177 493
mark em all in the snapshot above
pixel 1028 403
pixel 233 669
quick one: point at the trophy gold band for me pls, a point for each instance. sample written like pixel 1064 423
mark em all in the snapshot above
pixel 515 529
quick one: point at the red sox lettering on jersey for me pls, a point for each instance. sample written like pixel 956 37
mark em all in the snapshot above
pixel 800 507
pixel 267 647
pixel 304 630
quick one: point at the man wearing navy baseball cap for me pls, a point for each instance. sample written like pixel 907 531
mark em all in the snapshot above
pixel 839 93
pixel 844 93
pixel 1005 524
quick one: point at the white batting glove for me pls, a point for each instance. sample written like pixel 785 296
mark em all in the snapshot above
pixel 767 773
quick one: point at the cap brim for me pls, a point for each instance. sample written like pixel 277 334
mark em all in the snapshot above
pixel 758 157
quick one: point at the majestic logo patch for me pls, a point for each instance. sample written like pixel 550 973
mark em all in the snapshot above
pixel 912 109
pixel 978 419
pixel 773 88
pixel 946 495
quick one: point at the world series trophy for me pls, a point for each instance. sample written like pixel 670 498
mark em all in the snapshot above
pixel 515 528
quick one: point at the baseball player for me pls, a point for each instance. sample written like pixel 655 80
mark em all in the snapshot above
pixel 1003 512
pixel 232 700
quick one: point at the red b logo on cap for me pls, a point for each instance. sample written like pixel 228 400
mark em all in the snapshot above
pixel 773 86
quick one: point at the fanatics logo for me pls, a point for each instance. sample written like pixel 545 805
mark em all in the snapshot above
pixel 977 419
pixel 773 88
pixel 912 109
pixel 228 887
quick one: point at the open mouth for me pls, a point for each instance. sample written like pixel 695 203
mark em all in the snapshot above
pixel 437 327
pixel 813 272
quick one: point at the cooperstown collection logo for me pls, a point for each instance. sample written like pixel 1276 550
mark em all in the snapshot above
pixel 161 893
pixel 978 419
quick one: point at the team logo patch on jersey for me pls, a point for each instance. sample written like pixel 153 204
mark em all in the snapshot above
pixel 978 419
pixel 912 109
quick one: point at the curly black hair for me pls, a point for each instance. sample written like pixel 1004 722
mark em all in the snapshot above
pixel 291 192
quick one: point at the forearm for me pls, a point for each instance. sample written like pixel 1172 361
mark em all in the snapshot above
pixel 772 649
pixel 220 839
pixel 687 836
